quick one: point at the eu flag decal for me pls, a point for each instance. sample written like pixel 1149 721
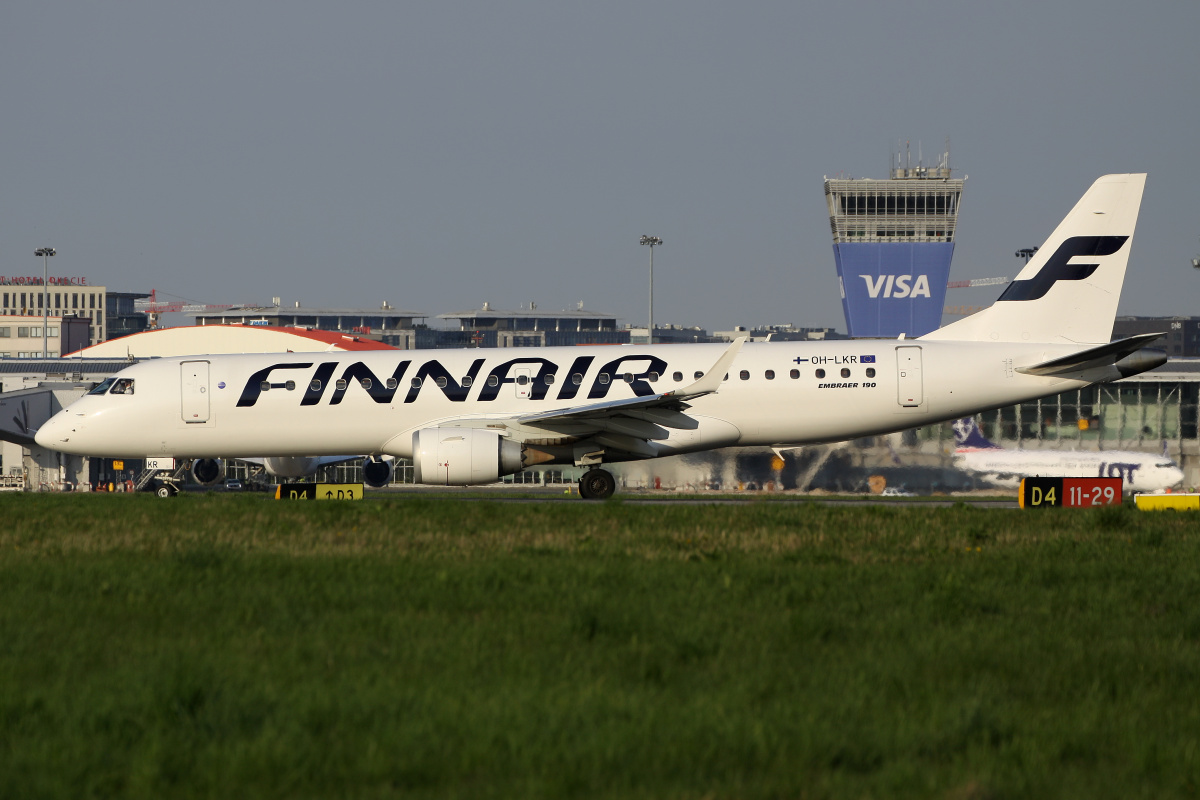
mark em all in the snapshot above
pixel 866 359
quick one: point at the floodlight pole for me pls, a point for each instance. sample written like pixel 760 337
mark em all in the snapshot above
pixel 652 242
pixel 45 253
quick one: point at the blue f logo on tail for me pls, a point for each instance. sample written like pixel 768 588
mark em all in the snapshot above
pixel 1058 269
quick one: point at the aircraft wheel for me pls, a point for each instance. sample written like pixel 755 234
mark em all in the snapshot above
pixel 597 484
pixel 165 491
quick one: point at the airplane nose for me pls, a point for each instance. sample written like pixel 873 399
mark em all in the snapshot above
pixel 55 432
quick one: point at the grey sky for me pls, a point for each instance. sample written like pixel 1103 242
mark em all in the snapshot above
pixel 437 155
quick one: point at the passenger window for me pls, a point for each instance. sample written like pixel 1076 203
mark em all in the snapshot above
pixel 340 385
pixel 820 374
pixel 769 375
pixel 262 387
pixel 677 376
pixel 604 377
pixel 522 380
pixel 549 379
pixel 744 374
pixel 576 379
pixel 416 383
pixel 652 377
pixel 628 377
pixel 467 381
pixel 315 386
pixel 493 380
pixel 697 376
pixel 392 383
pixel 794 374
pixel 290 386
pixel 870 372
pixel 441 382
pixel 845 372
pixel 366 383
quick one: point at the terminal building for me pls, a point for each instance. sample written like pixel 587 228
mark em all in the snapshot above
pixel 893 241
pixel 482 327
pixel 532 327
pixel 1181 335
pixel 386 324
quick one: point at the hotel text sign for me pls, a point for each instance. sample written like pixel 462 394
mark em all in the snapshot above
pixel 33 280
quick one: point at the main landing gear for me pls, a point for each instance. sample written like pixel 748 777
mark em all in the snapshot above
pixel 597 484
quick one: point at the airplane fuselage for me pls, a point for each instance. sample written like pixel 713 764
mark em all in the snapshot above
pixel 323 403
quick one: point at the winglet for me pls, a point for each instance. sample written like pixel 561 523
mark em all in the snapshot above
pixel 713 378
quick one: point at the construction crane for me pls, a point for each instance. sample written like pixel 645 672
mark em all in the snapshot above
pixel 966 311
pixel 152 307
pixel 1000 280
pixel 997 281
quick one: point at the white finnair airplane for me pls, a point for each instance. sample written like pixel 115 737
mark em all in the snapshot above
pixel 1139 472
pixel 471 416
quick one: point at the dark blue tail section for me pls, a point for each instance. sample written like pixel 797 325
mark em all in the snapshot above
pixel 967 435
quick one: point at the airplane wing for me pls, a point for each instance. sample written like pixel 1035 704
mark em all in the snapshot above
pixel 673 401
pixel 631 423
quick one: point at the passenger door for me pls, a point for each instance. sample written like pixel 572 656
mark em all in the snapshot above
pixel 193 391
pixel 910 391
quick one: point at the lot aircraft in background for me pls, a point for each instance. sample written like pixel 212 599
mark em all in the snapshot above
pixel 1139 472
pixel 471 416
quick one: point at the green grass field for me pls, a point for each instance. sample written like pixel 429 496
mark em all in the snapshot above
pixel 237 646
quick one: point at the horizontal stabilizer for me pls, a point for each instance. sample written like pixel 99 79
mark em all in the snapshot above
pixel 1106 355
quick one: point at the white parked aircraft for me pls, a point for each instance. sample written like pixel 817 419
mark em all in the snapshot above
pixel 471 416
pixel 1139 472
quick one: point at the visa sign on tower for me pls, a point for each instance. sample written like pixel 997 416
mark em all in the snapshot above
pixel 893 241
pixel 890 288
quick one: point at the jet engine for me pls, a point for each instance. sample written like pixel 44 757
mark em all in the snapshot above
pixel 207 471
pixel 464 456
pixel 377 472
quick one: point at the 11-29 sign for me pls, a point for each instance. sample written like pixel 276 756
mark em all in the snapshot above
pixel 1070 492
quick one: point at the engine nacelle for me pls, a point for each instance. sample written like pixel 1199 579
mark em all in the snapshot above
pixel 207 471
pixel 377 472
pixel 463 456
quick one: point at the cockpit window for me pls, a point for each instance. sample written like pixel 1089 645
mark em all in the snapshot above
pixel 103 387
pixel 122 386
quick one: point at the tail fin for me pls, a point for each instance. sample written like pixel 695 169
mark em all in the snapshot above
pixel 1068 292
pixel 968 436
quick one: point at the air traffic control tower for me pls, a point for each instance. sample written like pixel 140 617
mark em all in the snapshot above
pixel 893 241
